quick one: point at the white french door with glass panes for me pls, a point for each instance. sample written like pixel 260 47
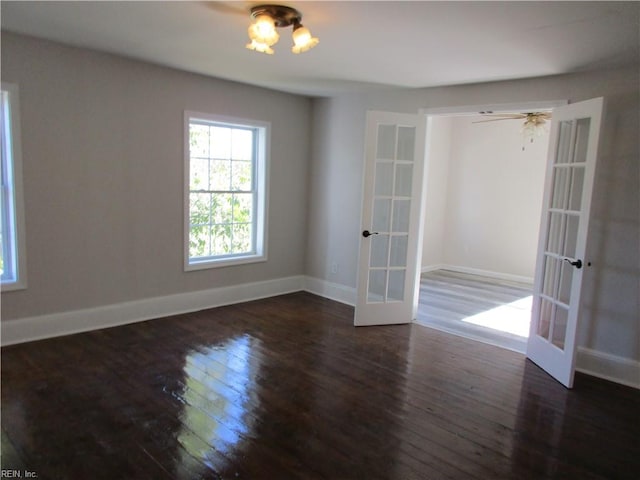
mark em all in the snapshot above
pixel 561 262
pixel 390 242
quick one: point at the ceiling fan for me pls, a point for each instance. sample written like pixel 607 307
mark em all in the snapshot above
pixel 530 118
pixel 533 125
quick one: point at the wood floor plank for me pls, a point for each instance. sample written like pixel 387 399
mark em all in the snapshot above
pixel 286 387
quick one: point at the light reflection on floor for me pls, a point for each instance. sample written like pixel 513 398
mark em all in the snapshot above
pixel 511 318
pixel 218 395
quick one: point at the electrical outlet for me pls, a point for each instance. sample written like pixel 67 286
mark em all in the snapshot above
pixel 334 267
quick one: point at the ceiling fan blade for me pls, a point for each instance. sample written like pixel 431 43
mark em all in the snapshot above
pixel 505 115
pixel 496 119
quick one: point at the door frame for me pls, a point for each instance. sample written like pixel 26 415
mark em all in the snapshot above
pixel 468 110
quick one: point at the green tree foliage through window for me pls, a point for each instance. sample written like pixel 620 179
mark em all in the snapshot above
pixel 222 193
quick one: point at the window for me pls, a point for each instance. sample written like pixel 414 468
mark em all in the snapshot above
pixel 13 259
pixel 225 191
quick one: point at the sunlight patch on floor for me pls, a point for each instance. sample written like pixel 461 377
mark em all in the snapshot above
pixel 511 318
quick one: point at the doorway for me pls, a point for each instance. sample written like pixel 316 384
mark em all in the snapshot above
pixel 484 192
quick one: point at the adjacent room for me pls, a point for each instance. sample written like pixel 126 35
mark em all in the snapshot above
pixel 484 194
pixel 216 216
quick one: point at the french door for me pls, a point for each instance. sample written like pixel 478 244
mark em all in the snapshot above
pixel 561 261
pixel 390 242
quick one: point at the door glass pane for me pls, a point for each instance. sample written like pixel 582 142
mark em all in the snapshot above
pixel 564 141
pixel 560 326
pixel 404 175
pixel 571 236
pixel 379 250
pixel 399 251
pixel 377 285
pixel 381 214
pixel 566 275
pixel 386 146
pixel 582 140
pixel 384 179
pixel 577 180
pixel 396 285
pixel 544 325
pixel 560 187
pixel 555 232
pixel 406 142
pixel 550 268
pixel 401 210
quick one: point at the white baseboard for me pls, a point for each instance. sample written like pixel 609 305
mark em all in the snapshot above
pixel 332 291
pixel 608 367
pixel 67 323
pixel 432 268
pixel 477 271
pixel 599 364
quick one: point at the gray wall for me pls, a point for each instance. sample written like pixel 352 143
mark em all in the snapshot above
pixel 102 141
pixel 611 286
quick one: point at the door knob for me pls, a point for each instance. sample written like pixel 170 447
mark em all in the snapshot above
pixel 575 263
pixel 367 233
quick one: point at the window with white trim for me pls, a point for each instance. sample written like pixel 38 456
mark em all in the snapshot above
pixel 13 253
pixel 225 190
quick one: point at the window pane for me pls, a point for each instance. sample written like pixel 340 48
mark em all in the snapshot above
pixel 220 175
pixel 199 241
pixel 401 210
pixel 379 250
pixel 384 179
pixel 12 253
pixel 220 239
pixel 571 236
pixel 241 241
pixel 399 246
pixel 222 208
pixel 549 283
pixel 241 172
pixel 406 142
pixel 386 142
pixel 220 143
pixel 560 187
pixel 582 140
pixel 242 207
pixel 199 141
pixel 396 285
pixel 554 238
pixel 377 286
pixel 200 209
pixel 242 144
pixel 199 174
pixel 544 324
pixel 577 182
pixel 404 177
pixel 560 327
pixel 564 142
pixel 381 214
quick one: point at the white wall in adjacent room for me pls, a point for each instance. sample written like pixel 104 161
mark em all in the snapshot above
pixel 484 196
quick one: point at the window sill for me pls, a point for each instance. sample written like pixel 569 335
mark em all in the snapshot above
pixel 223 262
pixel 12 286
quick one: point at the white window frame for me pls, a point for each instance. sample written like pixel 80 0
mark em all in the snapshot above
pixel 260 179
pixel 13 239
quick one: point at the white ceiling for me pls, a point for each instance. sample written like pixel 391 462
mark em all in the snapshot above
pixel 362 44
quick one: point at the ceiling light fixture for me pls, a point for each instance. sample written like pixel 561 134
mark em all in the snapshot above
pixel 263 33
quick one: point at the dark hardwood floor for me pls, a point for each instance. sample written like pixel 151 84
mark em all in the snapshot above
pixel 287 388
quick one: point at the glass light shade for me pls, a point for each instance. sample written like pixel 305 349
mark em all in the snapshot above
pixel 260 47
pixel 263 30
pixel 303 40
